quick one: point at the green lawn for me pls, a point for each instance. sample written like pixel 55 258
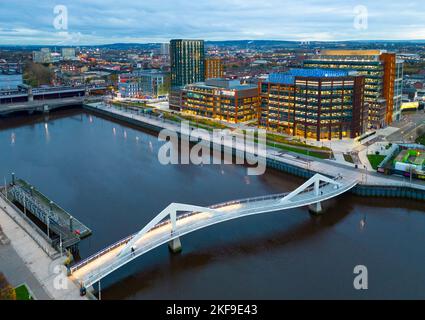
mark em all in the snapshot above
pixel 311 153
pixel 375 160
pixel 281 139
pixel 22 293
pixel 421 140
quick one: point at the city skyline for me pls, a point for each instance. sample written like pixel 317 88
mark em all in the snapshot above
pixel 103 22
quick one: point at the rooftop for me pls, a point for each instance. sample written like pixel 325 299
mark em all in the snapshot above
pixel 351 52
pixel 223 84
pixel 289 77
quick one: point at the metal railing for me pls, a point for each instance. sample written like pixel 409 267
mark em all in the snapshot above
pixel 101 253
pixel 33 227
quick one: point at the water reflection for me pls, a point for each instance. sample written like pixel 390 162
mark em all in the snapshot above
pixel 46 132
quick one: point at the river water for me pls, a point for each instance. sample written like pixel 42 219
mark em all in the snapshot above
pixel 107 174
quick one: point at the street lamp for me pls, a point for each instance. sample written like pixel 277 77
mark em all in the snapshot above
pixel 367 174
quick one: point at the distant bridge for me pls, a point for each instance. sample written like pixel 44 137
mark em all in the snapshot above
pixel 169 225
pixel 25 94
pixel 44 105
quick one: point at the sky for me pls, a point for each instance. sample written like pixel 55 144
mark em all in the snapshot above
pixel 82 22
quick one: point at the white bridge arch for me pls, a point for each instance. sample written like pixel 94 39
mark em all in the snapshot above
pixel 169 226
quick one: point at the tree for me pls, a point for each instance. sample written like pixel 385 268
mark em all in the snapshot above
pixel 164 88
pixel 6 290
pixel 36 74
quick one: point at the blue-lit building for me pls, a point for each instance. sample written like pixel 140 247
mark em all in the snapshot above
pixel 314 103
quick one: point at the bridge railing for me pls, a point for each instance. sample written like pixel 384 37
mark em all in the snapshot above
pixel 100 253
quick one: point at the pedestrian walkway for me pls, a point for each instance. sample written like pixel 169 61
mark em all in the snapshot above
pixel 17 273
pixel 50 274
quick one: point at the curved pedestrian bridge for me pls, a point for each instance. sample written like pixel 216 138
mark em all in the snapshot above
pixel 178 220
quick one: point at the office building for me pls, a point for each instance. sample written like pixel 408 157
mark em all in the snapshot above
pixel 42 56
pixel 165 49
pixel 214 68
pixel 130 89
pixel 153 83
pixel 68 54
pixel 221 99
pixel 383 76
pixel 314 103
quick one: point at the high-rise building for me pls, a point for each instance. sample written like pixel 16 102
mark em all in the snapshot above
pixel 187 62
pixel 221 99
pixel 165 49
pixel 42 56
pixel 314 103
pixel 383 75
pixel 213 68
pixel 68 54
pixel 187 66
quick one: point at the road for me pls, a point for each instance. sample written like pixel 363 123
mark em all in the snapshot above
pixel 410 126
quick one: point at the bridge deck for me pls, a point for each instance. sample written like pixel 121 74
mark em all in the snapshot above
pixel 100 265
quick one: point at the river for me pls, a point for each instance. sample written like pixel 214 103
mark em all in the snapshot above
pixel 107 174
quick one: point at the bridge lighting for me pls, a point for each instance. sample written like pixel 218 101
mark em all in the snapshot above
pixel 230 208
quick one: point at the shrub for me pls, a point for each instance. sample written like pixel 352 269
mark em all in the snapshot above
pixel 6 290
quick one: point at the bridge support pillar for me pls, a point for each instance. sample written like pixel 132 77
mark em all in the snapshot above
pixel 316 209
pixel 175 246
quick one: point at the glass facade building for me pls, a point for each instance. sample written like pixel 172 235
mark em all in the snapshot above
pixel 187 62
pixel 221 99
pixel 383 74
pixel 153 83
pixel 314 103
pixel 187 66
pixel 214 68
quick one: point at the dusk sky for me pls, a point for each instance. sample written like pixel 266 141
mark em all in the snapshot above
pixel 111 21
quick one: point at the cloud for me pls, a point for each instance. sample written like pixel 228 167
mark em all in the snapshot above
pixel 106 21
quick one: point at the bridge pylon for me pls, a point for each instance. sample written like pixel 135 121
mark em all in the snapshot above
pixel 316 183
pixel 175 246
pixel 316 209
pixel 170 212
